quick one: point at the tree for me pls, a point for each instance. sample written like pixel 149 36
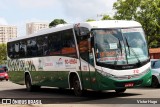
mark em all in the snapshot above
pixel 146 12
pixel 3 53
pixel 106 17
pixel 56 22
pixel 90 20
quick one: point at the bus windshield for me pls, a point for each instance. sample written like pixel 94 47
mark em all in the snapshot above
pixel 120 46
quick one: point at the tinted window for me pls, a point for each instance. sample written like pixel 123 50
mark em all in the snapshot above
pixel 54 43
pixel 11 49
pixel 16 45
pixel 83 44
pixel 22 49
pixel 57 43
pixel 32 47
pixel 42 43
pixel 68 43
pixel 1 71
pixel 155 64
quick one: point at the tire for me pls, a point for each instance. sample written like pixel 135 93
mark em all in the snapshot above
pixel 118 91
pixel 28 83
pixel 76 86
pixel 155 82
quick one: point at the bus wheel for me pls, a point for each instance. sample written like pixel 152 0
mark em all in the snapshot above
pixel 28 83
pixel 118 91
pixel 76 86
pixel 155 82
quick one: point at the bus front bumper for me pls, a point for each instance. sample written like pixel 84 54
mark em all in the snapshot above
pixel 105 83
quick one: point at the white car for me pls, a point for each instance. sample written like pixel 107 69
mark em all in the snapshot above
pixel 155 67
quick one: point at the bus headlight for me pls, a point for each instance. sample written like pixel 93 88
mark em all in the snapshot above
pixel 105 73
pixel 5 75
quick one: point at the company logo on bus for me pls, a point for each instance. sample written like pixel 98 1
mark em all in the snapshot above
pixel 60 62
pixel 70 61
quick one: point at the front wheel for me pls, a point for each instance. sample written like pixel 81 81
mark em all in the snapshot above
pixel 76 86
pixel 118 91
pixel 155 82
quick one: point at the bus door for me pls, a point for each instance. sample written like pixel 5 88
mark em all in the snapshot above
pixel 84 52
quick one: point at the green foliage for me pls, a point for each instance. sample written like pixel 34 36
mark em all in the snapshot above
pixel 90 20
pixel 106 17
pixel 3 53
pixel 146 12
pixel 56 22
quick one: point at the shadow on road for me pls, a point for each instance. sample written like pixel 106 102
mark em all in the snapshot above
pixel 54 95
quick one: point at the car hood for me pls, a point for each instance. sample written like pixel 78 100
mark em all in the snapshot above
pixel 156 71
pixel 1 74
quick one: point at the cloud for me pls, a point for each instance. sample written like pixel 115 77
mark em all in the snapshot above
pixel 73 9
pixel 69 10
pixel 3 5
pixel 87 8
pixel 3 21
pixel 30 4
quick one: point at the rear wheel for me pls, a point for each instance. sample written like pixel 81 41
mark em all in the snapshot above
pixel 155 82
pixel 76 86
pixel 118 91
pixel 29 85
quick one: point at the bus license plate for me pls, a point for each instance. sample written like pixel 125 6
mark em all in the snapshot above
pixel 129 84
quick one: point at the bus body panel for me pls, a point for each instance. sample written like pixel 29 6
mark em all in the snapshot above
pixel 55 69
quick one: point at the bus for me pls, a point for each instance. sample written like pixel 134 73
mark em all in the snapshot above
pixel 98 55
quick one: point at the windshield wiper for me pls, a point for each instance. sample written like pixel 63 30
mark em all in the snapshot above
pixel 120 46
pixel 129 48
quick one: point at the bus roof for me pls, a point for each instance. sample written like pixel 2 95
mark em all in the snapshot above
pixel 89 25
pixel 111 24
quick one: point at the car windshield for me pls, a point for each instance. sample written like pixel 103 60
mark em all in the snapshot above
pixel 1 71
pixel 155 64
pixel 120 46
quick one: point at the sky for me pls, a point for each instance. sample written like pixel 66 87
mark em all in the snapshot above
pixel 20 12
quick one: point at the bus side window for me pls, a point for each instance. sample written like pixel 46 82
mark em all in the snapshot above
pixel 11 50
pixel 68 43
pixel 16 50
pixel 23 49
pixel 32 47
pixel 42 43
pixel 54 42
pixel 83 44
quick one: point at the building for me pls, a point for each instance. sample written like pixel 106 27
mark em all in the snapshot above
pixel 7 32
pixel 154 53
pixel 33 27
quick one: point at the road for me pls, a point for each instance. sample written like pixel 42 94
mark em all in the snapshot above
pixel 49 96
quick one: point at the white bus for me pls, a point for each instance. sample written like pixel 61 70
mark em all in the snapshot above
pixel 98 55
